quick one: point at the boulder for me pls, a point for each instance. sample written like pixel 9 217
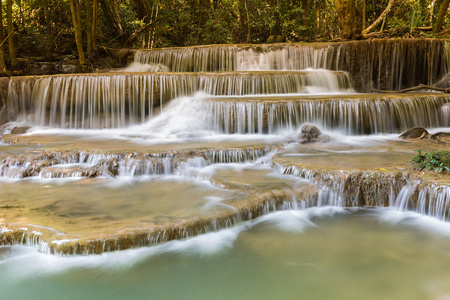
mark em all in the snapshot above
pixel 20 130
pixel 312 134
pixel 415 133
pixel 441 136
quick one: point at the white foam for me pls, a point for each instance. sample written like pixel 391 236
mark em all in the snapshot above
pixel 136 67
pixel 414 220
pixel 24 262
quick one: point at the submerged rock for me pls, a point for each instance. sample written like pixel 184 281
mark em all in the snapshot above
pixel 415 133
pixel 20 130
pixel 312 134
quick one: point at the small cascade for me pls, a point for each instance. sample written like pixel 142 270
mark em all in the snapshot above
pixel 357 188
pixel 373 115
pixel 445 115
pixel 349 188
pixel 385 64
pixel 82 164
pixel 118 100
pixel 227 58
pixel 289 82
pixel 428 199
pixel 48 241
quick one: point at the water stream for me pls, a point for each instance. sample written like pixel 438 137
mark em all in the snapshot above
pixel 318 253
pixel 191 159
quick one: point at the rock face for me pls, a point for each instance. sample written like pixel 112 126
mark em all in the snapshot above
pixel 312 134
pixel 415 133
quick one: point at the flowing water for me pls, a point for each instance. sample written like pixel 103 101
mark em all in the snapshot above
pixel 322 253
pixel 188 162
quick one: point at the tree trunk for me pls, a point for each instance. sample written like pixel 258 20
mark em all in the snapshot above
pixel 202 11
pixel 381 18
pixel 143 14
pixel 249 36
pixel 155 10
pixel 89 26
pixel 364 15
pixel 48 19
pixel 12 50
pixel 76 19
pixel 112 16
pixel 244 34
pixel 441 16
pixel 349 27
pixel 2 48
pixel 94 23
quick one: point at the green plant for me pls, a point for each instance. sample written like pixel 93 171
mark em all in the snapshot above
pixel 433 161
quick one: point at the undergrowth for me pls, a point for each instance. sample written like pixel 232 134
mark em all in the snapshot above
pixel 433 161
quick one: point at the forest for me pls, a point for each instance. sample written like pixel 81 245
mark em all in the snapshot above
pixel 69 29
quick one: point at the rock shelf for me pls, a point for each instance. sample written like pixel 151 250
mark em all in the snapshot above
pixel 57 226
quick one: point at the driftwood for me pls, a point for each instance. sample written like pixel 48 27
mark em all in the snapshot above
pixel 415 88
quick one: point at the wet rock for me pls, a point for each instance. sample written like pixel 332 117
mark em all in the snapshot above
pixel 312 134
pixel 107 166
pixel 324 138
pixel 441 136
pixel 36 167
pixel 415 133
pixel 3 117
pixel 20 130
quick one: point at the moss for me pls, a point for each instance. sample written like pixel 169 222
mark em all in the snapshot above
pixel 433 161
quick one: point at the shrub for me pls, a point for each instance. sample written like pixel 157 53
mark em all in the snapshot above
pixel 433 161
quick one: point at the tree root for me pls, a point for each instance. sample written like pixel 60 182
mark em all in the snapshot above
pixel 415 88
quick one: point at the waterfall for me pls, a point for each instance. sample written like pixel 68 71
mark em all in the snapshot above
pixel 353 116
pixel 388 65
pixel 445 115
pixel 79 164
pixel 356 188
pixel 431 200
pixel 240 58
pixel 118 100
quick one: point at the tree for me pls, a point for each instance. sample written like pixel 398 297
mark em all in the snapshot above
pixel 441 16
pixel 12 50
pixel 244 20
pixel 381 17
pixel 349 27
pixel 2 41
pixel 76 20
pixel 112 17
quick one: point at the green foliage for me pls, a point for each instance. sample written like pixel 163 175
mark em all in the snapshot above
pixel 44 27
pixel 409 14
pixel 433 161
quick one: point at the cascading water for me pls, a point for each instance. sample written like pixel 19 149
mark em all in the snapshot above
pixel 353 116
pixel 432 200
pixel 212 124
pixel 445 114
pixel 114 101
pixel 388 65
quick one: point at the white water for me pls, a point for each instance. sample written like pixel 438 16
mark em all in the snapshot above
pixel 286 254
pixel 209 244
